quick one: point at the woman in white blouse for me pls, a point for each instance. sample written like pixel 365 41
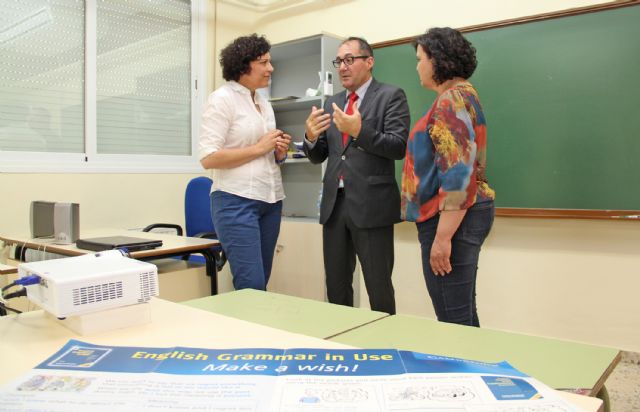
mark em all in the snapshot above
pixel 240 142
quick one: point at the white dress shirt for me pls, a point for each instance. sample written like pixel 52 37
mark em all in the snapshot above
pixel 231 120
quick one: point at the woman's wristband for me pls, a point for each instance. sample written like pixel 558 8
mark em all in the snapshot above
pixel 281 161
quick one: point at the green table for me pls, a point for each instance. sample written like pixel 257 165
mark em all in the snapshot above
pixel 308 317
pixel 559 364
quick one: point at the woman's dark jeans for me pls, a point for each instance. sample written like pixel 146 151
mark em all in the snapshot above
pixel 454 295
pixel 248 230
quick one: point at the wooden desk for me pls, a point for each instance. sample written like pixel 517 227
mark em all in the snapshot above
pixel 29 338
pixel 171 246
pixel 7 270
pixel 290 313
pixel 559 364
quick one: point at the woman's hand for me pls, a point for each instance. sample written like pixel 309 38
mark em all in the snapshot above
pixel 282 146
pixel 440 258
pixel 268 141
pixel 273 141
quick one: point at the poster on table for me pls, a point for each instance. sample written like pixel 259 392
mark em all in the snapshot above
pixel 82 376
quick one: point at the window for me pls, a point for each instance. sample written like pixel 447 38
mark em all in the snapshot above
pixel 99 85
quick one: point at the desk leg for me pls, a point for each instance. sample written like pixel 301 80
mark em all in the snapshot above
pixel 212 270
pixel 604 395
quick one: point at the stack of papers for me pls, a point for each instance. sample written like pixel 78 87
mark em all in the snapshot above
pixel 297 152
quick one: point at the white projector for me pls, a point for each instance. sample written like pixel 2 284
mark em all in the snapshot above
pixel 89 283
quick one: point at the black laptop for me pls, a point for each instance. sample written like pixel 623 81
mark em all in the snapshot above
pixel 132 244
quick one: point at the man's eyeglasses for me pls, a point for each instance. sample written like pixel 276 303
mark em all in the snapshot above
pixel 348 60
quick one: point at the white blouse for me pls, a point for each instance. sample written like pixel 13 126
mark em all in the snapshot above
pixel 231 120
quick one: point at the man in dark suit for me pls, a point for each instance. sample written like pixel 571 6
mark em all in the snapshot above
pixel 362 131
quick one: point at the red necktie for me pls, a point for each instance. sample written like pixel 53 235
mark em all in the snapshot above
pixel 352 99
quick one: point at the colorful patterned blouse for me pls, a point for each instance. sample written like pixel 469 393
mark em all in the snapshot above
pixel 446 157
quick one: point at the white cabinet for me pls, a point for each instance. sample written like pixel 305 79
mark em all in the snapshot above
pixel 298 267
pixel 296 67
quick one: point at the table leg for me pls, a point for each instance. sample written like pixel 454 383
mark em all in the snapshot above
pixel 604 395
pixel 212 270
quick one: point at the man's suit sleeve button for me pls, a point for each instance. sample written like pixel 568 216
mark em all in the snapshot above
pixel 343 157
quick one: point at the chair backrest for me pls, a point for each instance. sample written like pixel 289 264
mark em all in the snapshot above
pixel 197 206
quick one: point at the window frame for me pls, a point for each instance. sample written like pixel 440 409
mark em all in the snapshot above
pixel 92 162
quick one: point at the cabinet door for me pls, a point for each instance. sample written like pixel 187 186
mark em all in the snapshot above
pixel 298 269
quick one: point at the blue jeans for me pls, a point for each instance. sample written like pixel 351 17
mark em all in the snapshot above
pixel 248 230
pixel 454 295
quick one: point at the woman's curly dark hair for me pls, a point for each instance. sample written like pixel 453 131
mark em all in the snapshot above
pixel 235 59
pixel 452 55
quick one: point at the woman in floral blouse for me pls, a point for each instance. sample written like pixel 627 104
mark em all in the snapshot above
pixel 444 189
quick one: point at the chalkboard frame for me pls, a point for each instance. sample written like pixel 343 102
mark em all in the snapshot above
pixel 624 215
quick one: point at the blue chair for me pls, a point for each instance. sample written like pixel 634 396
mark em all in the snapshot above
pixel 197 215
pixel 198 223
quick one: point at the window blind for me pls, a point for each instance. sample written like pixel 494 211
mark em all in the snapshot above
pixel 143 81
pixel 42 76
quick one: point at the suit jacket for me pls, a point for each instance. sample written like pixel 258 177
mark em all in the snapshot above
pixel 367 162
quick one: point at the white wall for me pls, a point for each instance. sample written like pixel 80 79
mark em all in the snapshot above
pixel 106 200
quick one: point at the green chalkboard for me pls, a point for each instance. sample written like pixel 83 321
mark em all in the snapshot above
pixel 562 101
